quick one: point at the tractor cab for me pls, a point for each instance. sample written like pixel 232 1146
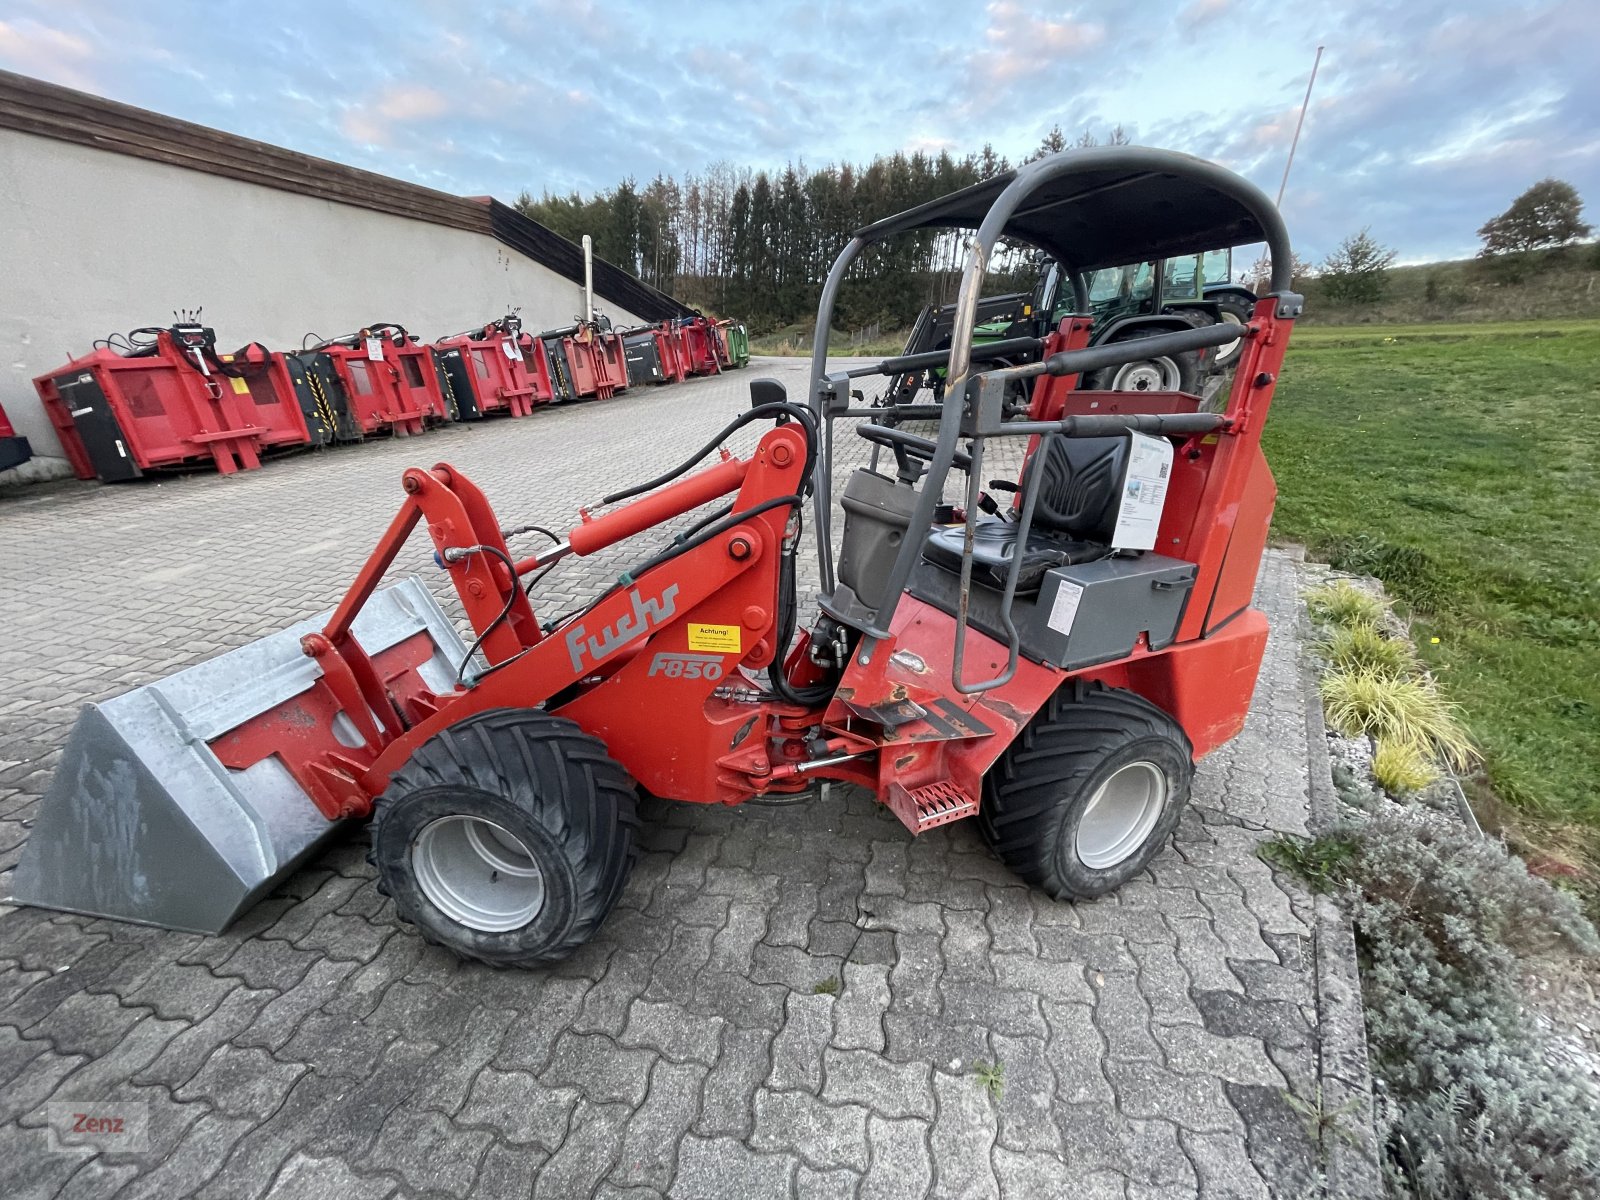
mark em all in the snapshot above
pixel 1126 301
pixel 1139 289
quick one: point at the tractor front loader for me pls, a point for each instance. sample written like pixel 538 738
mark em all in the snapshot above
pixel 1049 654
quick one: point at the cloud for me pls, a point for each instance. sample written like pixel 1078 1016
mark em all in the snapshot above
pixel 1199 12
pixel 375 122
pixel 47 53
pixel 410 103
pixel 1021 45
pixel 1428 117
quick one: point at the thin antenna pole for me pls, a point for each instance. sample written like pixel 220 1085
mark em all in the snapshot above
pixel 1298 125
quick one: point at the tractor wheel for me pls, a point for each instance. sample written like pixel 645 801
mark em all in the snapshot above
pixel 1159 373
pixel 506 838
pixel 1226 355
pixel 1235 304
pixel 1233 309
pixel 1088 793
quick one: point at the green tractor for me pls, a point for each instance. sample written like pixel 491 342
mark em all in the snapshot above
pixel 1139 300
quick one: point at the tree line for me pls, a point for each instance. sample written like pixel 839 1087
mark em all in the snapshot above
pixel 758 244
pixel 1548 216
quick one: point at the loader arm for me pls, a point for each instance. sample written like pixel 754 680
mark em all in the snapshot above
pixel 738 565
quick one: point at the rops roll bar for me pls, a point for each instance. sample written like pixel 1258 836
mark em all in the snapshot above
pixel 1090 208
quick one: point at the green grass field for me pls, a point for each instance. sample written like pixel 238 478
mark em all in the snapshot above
pixel 1459 464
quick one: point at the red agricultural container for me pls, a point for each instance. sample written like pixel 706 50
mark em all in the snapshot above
pixel 588 360
pixel 275 377
pixel 719 346
pixel 674 354
pixel 164 399
pixel 611 362
pixel 385 385
pixel 700 345
pixel 491 370
pixel 14 450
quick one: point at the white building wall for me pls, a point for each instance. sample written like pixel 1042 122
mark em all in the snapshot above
pixel 93 242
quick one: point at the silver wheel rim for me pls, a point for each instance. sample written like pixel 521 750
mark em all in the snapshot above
pixel 1227 352
pixel 1120 815
pixel 1147 375
pixel 477 873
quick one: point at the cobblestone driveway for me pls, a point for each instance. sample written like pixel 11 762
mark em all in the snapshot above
pixel 788 1001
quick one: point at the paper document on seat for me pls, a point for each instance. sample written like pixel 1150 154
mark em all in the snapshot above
pixel 1144 493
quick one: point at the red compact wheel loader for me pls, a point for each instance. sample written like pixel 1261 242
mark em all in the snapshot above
pixel 1048 655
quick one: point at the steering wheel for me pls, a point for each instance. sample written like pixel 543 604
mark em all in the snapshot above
pixel 911 453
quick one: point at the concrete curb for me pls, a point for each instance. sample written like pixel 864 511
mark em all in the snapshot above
pixel 1350 1151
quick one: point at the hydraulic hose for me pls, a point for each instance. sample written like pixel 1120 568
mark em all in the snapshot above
pixel 505 611
pixel 803 415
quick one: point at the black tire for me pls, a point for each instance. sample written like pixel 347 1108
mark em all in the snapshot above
pixel 1036 795
pixel 542 780
pixel 1185 368
pixel 1236 303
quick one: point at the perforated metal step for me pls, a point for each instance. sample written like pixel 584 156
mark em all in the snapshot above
pixel 933 804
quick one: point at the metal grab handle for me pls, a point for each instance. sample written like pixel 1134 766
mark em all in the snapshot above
pixel 1090 425
pixel 1114 354
pixel 1019 550
pixel 938 358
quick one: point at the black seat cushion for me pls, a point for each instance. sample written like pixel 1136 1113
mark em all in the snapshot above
pixel 993 543
pixel 1079 492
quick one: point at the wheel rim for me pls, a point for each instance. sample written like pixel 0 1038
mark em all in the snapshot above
pixel 1120 815
pixel 1227 352
pixel 1147 375
pixel 477 873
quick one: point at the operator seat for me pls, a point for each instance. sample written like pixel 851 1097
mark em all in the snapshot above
pixel 1074 517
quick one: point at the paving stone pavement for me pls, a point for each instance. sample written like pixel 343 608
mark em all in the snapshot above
pixel 788 1001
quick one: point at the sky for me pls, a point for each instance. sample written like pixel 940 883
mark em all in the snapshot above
pixel 1428 117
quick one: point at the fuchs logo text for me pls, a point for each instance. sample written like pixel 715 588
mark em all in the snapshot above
pixel 646 615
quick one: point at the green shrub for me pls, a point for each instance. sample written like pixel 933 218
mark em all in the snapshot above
pixel 1323 862
pixel 1408 572
pixel 1446 921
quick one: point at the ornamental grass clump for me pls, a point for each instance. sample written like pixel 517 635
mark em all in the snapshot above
pixel 1343 603
pixel 1402 768
pixel 1406 709
pixel 1364 647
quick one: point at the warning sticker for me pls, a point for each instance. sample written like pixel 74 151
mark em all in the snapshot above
pixel 375 349
pixel 1064 610
pixel 721 639
pixel 240 386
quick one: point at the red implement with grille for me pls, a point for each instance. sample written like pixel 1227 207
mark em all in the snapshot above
pixel 503 368
pixel 166 401
pixel 371 363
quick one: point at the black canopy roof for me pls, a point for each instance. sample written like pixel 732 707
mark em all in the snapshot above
pixel 1110 205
